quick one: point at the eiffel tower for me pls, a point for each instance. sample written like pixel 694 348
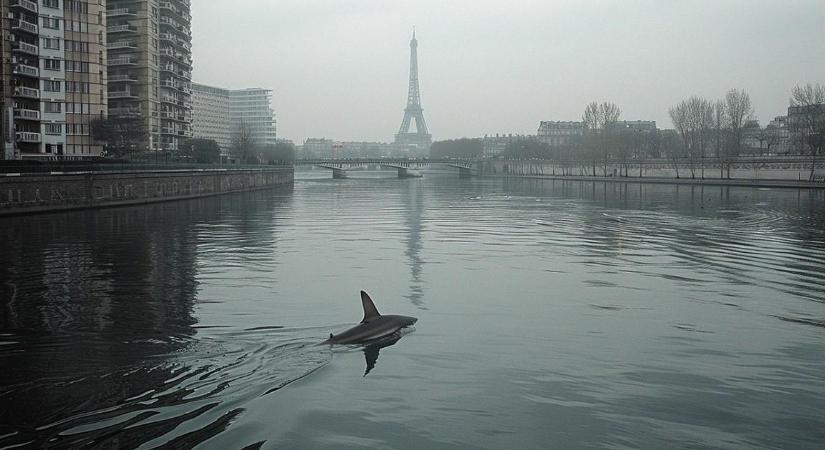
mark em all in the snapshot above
pixel 421 138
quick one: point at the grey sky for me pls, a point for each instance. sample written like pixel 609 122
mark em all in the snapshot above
pixel 339 68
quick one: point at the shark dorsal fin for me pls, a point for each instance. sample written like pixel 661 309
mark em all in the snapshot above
pixel 370 311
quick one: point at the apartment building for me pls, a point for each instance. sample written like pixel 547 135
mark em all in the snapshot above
pixel 495 145
pixel 559 133
pixel 222 114
pixel 53 84
pixel 150 67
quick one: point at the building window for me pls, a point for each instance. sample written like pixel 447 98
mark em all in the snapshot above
pixel 50 23
pixel 77 86
pixel 77 46
pixel 54 128
pixel 51 86
pixel 52 107
pixel 77 6
pixel 51 64
pixel 52 44
pixel 52 4
pixel 77 66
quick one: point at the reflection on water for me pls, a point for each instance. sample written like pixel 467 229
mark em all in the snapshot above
pixel 414 205
pixel 550 312
pixel 372 350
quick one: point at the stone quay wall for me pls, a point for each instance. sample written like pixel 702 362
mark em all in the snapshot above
pixel 788 169
pixel 32 193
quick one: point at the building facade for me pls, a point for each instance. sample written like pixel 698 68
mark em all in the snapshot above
pixel 150 68
pixel 644 126
pixel 211 115
pixel 495 145
pixel 53 85
pixel 559 133
pixel 251 112
pixel 223 114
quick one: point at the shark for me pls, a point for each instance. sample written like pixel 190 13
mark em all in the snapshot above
pixel 373 328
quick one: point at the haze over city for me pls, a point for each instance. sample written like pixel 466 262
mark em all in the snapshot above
pixel 339 69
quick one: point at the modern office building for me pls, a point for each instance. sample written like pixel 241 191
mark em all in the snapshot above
pixel 53 84
pixel 211 115
pixel 150 67
pixel 223 114
pixel 251 110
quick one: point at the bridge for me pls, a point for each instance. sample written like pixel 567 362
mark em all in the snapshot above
pixel 406 167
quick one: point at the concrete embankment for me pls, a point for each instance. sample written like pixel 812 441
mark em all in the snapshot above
pixel 56 191
pixel 777 172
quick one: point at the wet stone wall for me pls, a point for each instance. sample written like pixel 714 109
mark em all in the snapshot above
pixel 20 194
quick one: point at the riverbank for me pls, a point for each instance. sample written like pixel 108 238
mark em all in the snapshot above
pixel 789 184
pixel 22 193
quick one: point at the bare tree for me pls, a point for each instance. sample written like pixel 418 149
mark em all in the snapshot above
pixel 679 117
pixel 592 125
pixel 806 118
pixel 738 110
pixel 693 119
pixel 243 144
pixel 720 136
pixel 598 124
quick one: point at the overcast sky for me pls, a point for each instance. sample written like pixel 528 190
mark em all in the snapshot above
pixel 339 68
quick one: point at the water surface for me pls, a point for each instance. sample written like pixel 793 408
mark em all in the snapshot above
pixel 551 314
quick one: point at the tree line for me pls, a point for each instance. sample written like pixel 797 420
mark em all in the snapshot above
pixel 126 136
pixel 706 132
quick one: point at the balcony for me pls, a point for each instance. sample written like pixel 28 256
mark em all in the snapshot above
pixel 122 94
pixel 25 136
pixel 123 78
pixel 121 29
pixel 25 4
pixel 26 114
pixel 25 47
pixel 29 71
pixel 124 112
pixel 22 91
pixel 117 12
pixel 124 61
pixel 120 45
pixel 22 25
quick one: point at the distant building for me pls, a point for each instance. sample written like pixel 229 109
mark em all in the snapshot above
pixel 328 148
pixel 220 114
pixel 752 137
pixel 779 136
pixel 317 148
pixel 495 145
pixel 211 115
pixel 559 133
pixel 645 126
pixel 798 123
pixel 251 109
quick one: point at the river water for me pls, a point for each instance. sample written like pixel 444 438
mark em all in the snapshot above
pixel 552 314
